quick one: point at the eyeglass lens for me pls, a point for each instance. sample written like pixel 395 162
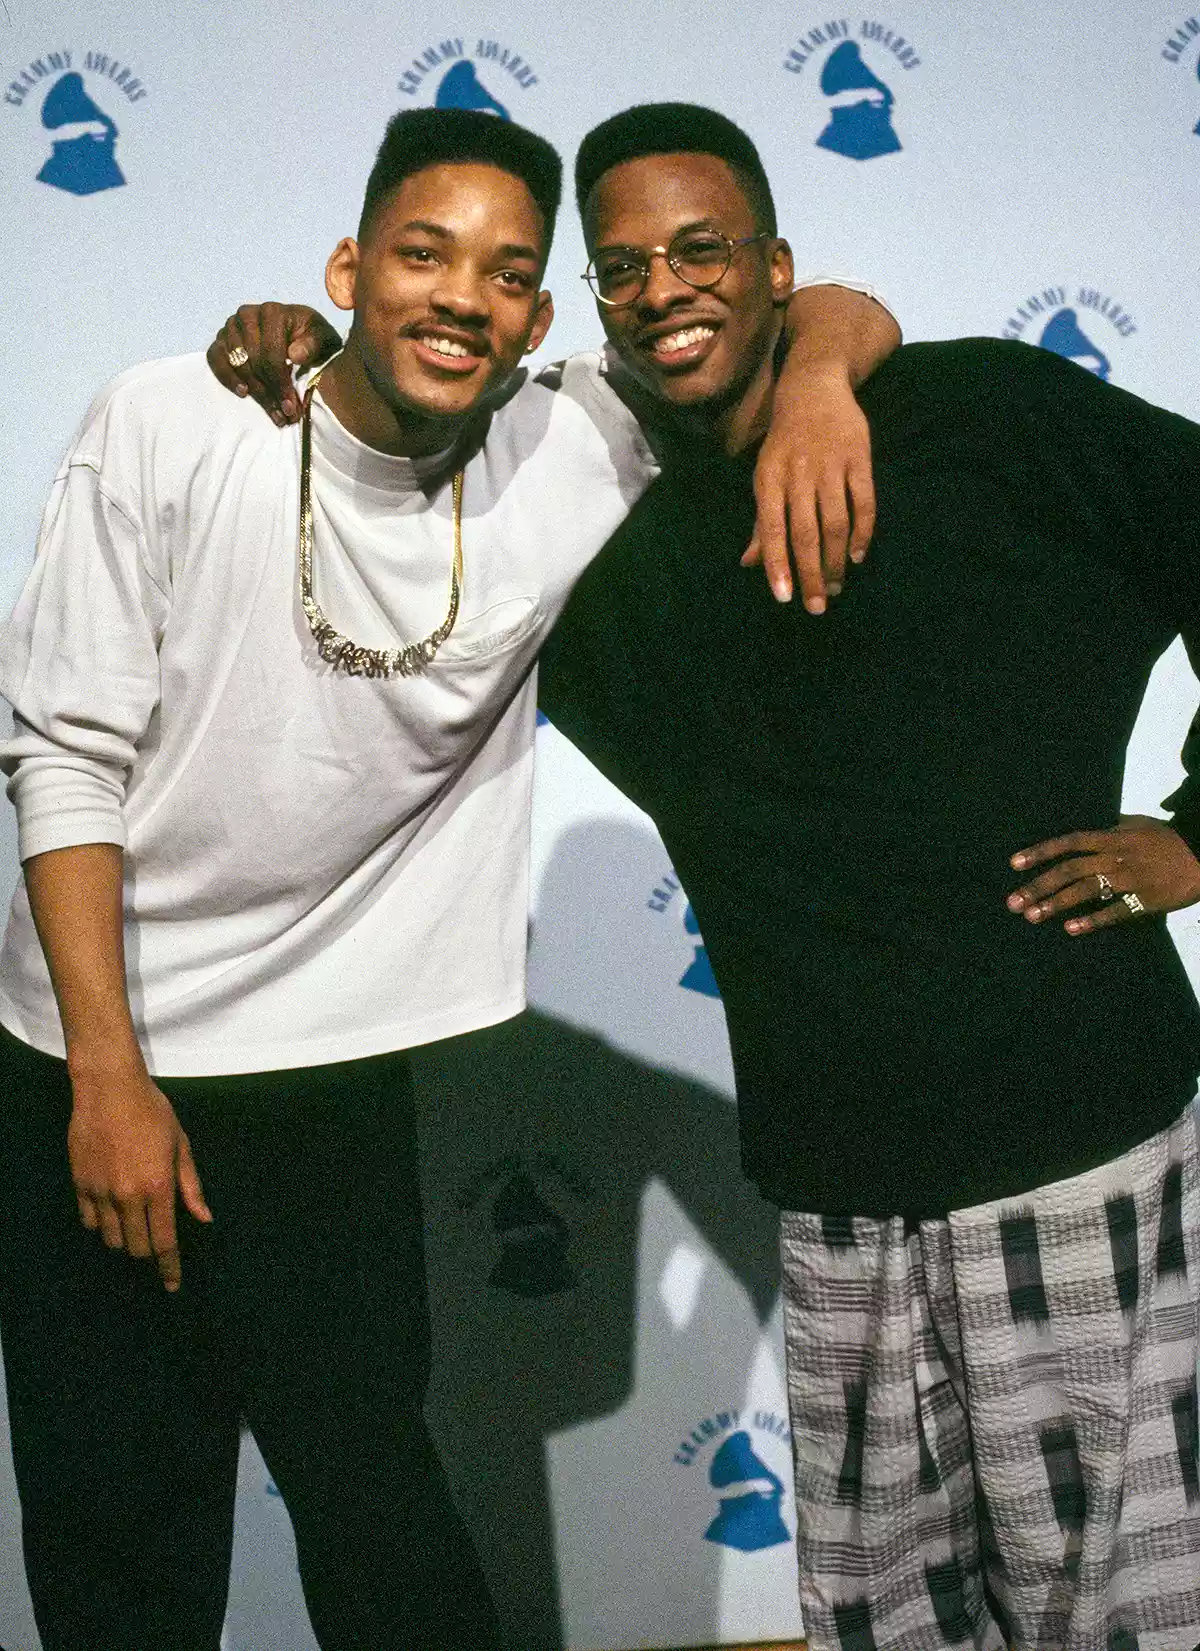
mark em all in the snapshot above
pixel 619 274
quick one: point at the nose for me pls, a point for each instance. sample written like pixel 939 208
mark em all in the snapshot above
pixel 663 287
pixel 461 292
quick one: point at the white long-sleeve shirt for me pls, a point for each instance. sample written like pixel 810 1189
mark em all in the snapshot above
pixel 318 867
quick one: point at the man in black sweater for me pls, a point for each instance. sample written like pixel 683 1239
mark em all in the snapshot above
pixel 977 1096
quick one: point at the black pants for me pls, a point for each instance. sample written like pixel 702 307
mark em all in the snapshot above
pixel 303 1313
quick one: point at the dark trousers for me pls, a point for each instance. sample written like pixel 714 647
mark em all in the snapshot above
pixel 303 1314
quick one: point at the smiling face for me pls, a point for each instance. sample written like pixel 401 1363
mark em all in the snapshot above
pixel 445 292
pixel 706 350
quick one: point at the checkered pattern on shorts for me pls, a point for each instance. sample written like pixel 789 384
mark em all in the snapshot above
pixel 995 1418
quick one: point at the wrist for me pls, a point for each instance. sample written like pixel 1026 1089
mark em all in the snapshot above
pixel 93 1064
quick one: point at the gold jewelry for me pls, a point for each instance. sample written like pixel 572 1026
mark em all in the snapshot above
pixel 1135 905
pixel 336 649
pixel 238 357
pixel 1106 888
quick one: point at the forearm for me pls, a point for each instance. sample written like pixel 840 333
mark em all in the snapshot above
pixel 836 329
pixel 77 900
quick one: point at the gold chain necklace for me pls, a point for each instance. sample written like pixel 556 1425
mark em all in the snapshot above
pixel 336 649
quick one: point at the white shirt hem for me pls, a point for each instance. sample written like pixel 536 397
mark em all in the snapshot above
pixel 222 1059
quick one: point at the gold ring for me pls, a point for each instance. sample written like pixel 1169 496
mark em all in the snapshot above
pixel 1134 904
pixel 1106 888
pixel 238 357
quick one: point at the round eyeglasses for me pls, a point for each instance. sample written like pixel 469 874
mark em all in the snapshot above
pixel 618 275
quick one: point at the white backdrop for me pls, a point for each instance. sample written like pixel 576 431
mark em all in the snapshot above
pixel 603 1279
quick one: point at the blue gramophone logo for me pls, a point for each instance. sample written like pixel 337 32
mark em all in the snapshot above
pixel 461 88
pixel 860 121
pixel 1064 335
pixel 699 976
pixel 82 160
pixel 749 1518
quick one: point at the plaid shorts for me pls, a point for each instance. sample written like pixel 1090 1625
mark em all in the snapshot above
pixel 994 1418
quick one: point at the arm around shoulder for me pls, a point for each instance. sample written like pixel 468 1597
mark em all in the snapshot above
pixel 814 482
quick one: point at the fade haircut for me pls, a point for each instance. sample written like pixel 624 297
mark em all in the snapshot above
pixel 417 138
pixel 674 129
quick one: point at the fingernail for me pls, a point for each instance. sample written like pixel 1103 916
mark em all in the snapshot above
pixel 783 593
pixel 1015 902
pixel 1035 914
pixel 815 604
pixel 1074 926
pixel 277 418
pixel 858 555
pixel 834 590
pixel 240 390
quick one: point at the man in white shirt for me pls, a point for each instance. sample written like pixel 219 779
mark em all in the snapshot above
pixel 272 837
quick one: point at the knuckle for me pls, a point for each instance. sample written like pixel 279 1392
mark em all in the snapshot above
pixel 864 515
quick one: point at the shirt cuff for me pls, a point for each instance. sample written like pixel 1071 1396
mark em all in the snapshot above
pixel 851 285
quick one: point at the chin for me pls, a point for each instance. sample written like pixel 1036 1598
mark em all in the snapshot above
pixel 440 403
pixel 692 392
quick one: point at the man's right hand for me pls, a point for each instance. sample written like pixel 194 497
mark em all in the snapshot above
pixel 128 1156
pixel 276 338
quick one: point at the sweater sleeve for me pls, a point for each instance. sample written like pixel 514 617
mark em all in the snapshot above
pixel 1126 472
pixel 79 662
pixel 1184 803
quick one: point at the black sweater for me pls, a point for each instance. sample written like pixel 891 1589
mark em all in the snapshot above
pixel 841 796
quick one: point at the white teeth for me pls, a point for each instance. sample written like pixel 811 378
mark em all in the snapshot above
pixel 446 346
pixel 681 340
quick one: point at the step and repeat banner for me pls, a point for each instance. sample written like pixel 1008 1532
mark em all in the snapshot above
pixel 608 1389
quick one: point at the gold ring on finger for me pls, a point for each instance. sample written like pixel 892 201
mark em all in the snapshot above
pixel 1106 888
pixel 1135 905
pixel 238 357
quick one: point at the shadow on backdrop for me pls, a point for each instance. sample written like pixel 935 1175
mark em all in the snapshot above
pixel 539 1140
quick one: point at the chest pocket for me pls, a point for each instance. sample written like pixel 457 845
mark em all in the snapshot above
pixel 495 631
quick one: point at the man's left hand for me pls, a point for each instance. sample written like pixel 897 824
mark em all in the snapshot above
pixel 1138 868
pixel 815 491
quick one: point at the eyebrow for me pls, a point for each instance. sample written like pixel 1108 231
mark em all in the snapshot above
pixel 684 229
pixel 510 249
pixel 430 229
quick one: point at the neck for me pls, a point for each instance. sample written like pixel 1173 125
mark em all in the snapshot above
pixel 739 426
pixel 356 403
pixel 743 417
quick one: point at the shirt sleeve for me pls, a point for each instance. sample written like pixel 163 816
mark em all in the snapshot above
pixel 851 285
pixel 594 668
pixel 79 665
pixel 1183 804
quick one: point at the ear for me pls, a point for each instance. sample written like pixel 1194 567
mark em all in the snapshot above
pixel 341 273
pixel 782 270
pixel 541 322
